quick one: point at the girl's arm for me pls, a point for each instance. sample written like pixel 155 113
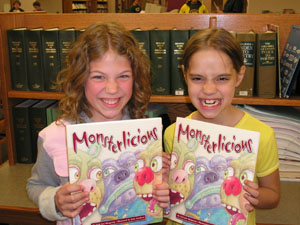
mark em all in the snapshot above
pixel 265 194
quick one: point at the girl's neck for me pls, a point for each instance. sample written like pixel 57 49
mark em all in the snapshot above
pixel 230 117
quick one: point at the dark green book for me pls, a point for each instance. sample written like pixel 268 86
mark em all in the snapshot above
pixel 23 131
pixel 66 39
pixel 266 64
pixel 17 58
pixel 33 43
pixel 193 31
pixel 143 38
pixel 38 121
pixel 78 33
pixel 52 113
pixel 178 41
pixel 160 59
pixel 51 58
pixel 247 42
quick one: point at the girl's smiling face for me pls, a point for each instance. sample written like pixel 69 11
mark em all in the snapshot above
pixel 109 86
pixel 211 80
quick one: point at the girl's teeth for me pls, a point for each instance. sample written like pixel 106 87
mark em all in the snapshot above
pixel 210 102
pixel 110 101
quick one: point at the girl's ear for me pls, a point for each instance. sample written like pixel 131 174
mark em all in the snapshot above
pixel 240 75
pixel 184 74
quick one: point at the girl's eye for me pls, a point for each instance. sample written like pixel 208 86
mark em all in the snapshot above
pixel 196 78
pixel 124 76
pixel 223 78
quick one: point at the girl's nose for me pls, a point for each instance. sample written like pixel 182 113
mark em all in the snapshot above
pixel 111 86
pixel 209 87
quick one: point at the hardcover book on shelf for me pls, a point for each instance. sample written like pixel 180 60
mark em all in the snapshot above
pixel 17 58
pixel 247 41
pixel 143 38
pixel 289 64
pixel 177 43
pixel 38 121
pixel 266 63
pixel 119 162
pixel 33 43
pixel 52 112
pixel 51 57
pixel 160 59
pixel 22 131
pixel 209 164
pixel 66 39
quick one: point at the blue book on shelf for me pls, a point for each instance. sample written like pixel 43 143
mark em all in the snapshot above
pixel 289 63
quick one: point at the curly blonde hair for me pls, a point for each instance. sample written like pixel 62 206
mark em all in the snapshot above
pixel 92 44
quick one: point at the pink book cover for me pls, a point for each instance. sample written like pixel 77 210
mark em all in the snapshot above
pixel 118 163
pixel 209 165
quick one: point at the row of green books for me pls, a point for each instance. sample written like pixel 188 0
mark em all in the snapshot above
pixel 30 117
pixel 37 55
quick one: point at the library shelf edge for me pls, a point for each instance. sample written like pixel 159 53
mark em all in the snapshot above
pixel 165 98
pixel 236 22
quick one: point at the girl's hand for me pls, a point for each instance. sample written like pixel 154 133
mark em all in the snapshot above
pixel 161 194
pixel 70 198
pixel 166 166
pixel 251 195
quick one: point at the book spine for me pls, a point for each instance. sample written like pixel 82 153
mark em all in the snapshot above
pixel 248 45
pixel 178 40
pixel 66 38
pixel 38 121
pixel 34 60
pixel 289 63
pixel 23 135
pixel 51 58
pixel 160 59
pixel 17 57
pixel 142 37
pixel 266 65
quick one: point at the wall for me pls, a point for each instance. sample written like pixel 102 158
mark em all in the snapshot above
pixel 276 6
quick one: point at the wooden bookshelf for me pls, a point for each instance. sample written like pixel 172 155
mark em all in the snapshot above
pixel 235 22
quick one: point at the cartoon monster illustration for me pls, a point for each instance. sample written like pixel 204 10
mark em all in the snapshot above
pixel 85 169
pixel 232 191
pixel 118 175
pixel 209 175
pixel 181 178
pixel 148 168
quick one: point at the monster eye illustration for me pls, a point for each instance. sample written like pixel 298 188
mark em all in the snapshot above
pixel 139 164
pixel 189 167
pixel 156 164
pixel 109 170
pixel 200 169
pixel 74 173
pixel 95 173
pixel 229 172
pixel 246 175
pixel 174 160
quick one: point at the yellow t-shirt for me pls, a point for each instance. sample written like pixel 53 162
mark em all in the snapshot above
pixel 267 158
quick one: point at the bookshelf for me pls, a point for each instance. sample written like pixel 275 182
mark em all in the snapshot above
pixel 88 6
pixel 236 22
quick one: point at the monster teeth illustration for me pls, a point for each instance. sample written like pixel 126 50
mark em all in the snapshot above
pixel 147 197
pixel 176 197
pixel 87 210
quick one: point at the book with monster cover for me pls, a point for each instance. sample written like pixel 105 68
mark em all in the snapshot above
pixel 209 164
pixel 118 162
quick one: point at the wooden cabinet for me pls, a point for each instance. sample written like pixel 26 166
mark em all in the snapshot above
pixel 176 104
